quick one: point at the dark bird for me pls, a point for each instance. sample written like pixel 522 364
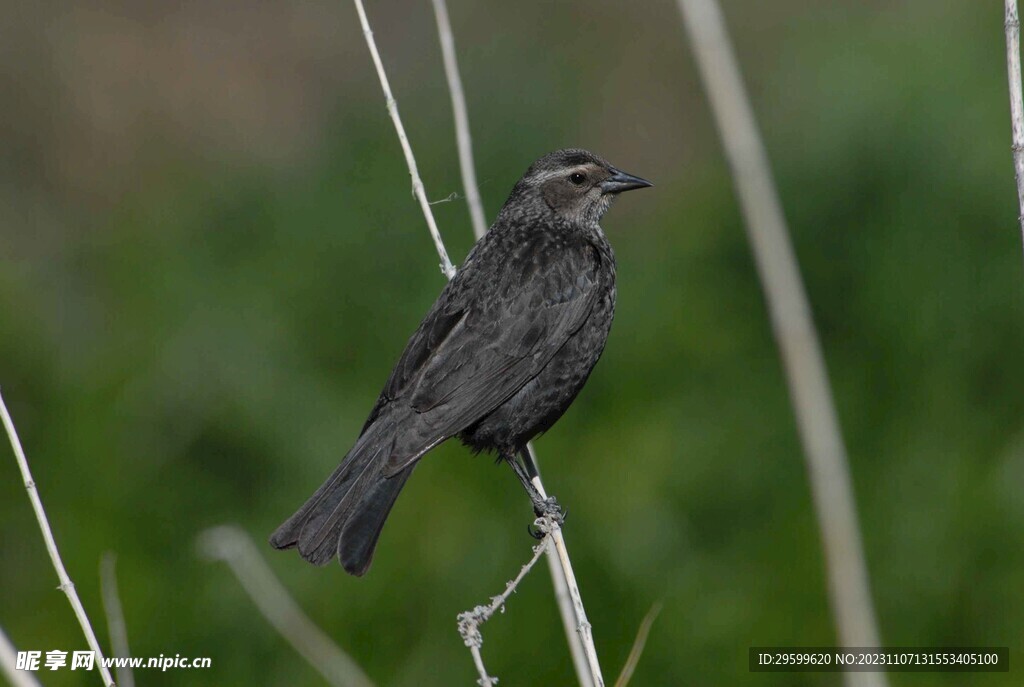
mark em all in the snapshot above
pixel 500 356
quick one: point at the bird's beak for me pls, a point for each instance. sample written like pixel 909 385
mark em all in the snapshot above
pixel 619 181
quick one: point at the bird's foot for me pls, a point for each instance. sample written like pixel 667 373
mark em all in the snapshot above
pixel 549 507
pixel 546 509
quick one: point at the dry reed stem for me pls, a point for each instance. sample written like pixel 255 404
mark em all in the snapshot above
pixel 9 665
pixel 116 625
pixel 638 645
pixel 66 585
pixel 1012 26
pixel 792 323
pixel 230 544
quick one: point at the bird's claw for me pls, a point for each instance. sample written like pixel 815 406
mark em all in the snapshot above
pixel 549 508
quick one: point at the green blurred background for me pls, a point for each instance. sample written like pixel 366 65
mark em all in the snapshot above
pixel 211 260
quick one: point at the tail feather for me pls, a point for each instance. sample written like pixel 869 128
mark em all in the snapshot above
pixel 362 529
pixel 345 516
pixel 325 519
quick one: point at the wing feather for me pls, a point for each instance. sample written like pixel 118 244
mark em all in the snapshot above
pixel 465 362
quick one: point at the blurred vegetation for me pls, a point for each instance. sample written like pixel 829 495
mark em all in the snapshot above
pixel 211 259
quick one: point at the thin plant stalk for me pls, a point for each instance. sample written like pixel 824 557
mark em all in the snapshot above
pixel 633 660
pixel 471 622
pixel 583 628
pixel 116 625
pixel 563 597
pixel 1012 26
pixel 793 328
pixel 9 665
pixel 66 585
pixel 230 544
pixel 410 160
pixel 463 139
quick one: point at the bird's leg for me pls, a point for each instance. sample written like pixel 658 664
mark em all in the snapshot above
pixel 531 467
pixel 541 506
pixel 527 481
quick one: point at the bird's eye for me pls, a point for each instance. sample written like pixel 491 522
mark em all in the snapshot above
pixel 577 178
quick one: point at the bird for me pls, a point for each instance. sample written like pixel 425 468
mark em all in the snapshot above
pixel 499 357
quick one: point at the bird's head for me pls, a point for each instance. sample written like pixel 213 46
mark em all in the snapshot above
pixel 573 184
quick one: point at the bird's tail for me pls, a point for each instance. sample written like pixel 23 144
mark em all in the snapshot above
pixel 346 514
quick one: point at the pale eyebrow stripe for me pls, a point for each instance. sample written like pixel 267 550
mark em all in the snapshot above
pixel 551 175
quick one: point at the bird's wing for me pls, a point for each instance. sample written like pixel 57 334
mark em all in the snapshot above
pixel 464 362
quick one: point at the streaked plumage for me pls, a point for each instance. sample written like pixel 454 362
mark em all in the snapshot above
pixel 499 357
